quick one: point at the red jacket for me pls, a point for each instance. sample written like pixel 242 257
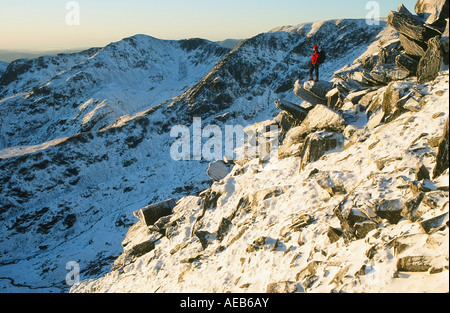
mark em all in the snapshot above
pixel 315 58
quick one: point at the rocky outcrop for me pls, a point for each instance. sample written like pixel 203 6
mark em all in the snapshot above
pixel 434 12
pixel 422 37
pixel 218 170
pixel 313 92
pixel 442 161
pixel 319 132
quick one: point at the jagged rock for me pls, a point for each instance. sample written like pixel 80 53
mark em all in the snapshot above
pixel 430 64
pixel 333 234
pixel 386 73
pixel 333 187
pixel 294 111
pixel 445 44
pixel 413 47
pixel 432 11
pixel 313 92
pixel 323 118
pixel 300 222
pixel 390 210
pixel 308 276
pixel 410 25
pixel 282 287
pixel 130 255
pixel 419 263
pixel 411 205
pixel 435 199
pixel 317 144
pixel 407 62
pixel 218 170
pixel 335 98
pixel 442 159
pixel 421 172
pixel 363 228
pixel 152 213
pixel 435 223
pixel 319 118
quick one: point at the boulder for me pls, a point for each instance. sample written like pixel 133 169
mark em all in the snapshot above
pixel 434 12
pixel 411 26
pixel 333 234
pixel 218 170
pixel 430 64
pixel 435 223
pixel 282 287
pixel 318 143
pixel 294 111
pixel 442 159
pixel 322 117
pixel 413 47
pixel 390 210
pixel 335 98
pixel 407 62
pixel 363 228
pixel 313 92
pixel 152 213
pixel 386 73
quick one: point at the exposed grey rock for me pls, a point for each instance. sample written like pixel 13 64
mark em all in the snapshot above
pixel 282 287
pixel 317 144
pixel 435 223
pixel 434 12
pixel 363 228
pixel 442 160
pixel 430 64
pixel 218 170
pixel 386 73
pixel 390 210
pixel 421 172
pixel 308 276
pixel 333 234
pixel 323 118
pixel 410 207
pixel 295 111
pixel 445 44
pixel 410 25
pixel 313 92
pixel 413 47
pixel 416 263
pixel 152 213
pixel 407 62
pixel 130 255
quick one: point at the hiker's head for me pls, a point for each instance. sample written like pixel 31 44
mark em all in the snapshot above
pixel 316 48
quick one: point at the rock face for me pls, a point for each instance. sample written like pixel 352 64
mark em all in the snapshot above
pixel 429 65
pixel 313 92
pixel 433 11
pixel 420 36
pixel 442 158
pixel 218 170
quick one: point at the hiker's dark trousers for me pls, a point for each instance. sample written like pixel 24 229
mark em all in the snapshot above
pixel 314 69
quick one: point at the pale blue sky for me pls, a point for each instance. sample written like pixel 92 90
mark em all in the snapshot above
pixel 41 24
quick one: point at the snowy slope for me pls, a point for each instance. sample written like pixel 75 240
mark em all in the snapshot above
pixel 246 242
pixel 87 142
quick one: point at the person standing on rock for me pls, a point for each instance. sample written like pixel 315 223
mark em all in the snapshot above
pixel 316 60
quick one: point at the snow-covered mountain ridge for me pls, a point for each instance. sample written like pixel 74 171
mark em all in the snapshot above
pixel 86 142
